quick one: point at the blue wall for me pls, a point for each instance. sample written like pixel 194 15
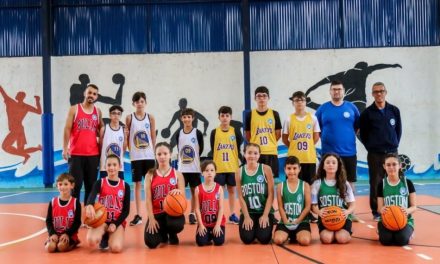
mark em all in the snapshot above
pixel 128 26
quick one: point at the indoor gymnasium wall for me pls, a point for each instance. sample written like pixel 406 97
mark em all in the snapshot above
pixel 209 80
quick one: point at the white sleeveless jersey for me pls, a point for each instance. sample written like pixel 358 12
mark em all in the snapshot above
pixel 189 159
pixel 112 143
pixel 141 146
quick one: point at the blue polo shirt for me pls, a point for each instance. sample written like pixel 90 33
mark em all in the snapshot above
pixel 338 128
pixel 381 129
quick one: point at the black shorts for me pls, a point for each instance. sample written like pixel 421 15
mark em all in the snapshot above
pixel 103 174
pixel 346 227
pixel 139 169
pixel 308 172
pixel 292 233
pixel 350 164
pixel 192 178
pixel 226 178
pixel 272 162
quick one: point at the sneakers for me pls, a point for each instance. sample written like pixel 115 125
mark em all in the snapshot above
pixel 137 220
pixel 173 239
pixel 192 220
pixel 233 219
pixel 103 245
pixel 376 217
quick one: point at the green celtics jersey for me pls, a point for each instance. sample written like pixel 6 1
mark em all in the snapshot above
pixel 329 196
pixel 293 201
pixel 397 195
pixel 254 189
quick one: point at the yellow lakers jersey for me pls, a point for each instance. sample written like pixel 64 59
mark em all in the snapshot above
pixel 263 132
pixel 301 139
pixel 225 150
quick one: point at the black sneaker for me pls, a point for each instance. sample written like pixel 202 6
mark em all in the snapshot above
pixel 137 220
pixel 103 245
pixel 192 219
pixel 173 239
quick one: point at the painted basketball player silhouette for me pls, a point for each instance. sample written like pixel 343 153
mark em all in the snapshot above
pixel 166 132
pixel 354 81
pixel 77 90
pixel 16 111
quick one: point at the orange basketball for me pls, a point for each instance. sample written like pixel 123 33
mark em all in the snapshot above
pixel 174 205
pixel 100 216
pixel 394 218
pixel 334 220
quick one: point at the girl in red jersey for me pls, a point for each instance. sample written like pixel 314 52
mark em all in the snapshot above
pixel 114 194
pixel 160 227
pixel 63 217
pixel 209 208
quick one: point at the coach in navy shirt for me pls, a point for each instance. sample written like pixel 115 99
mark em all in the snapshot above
pixel 380 132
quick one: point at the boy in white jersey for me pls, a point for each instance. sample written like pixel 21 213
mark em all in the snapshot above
pixel 112 140
pixel 141 141
pixel 190 146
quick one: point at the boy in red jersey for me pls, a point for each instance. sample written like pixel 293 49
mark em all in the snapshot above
pixel 63 217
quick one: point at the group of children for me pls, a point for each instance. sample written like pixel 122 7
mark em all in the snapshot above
pixel 297 197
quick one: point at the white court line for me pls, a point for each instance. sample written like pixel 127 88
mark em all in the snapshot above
pixel 10 195
pixel 407 247
pixel 44 230
pixel 370 226
pixel 423 256
pixel 361 221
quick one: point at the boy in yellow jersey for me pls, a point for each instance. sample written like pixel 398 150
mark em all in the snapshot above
pixel 225 146
pixel 263 127
pixel 300 134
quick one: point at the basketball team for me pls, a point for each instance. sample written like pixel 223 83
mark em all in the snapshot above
pixel 323 194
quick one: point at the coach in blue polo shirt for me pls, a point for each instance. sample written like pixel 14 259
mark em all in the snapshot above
pixel 380 132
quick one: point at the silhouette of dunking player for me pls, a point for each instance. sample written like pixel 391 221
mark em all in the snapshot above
pixel 354 81
pixel 176 117
pixel 77 90
pixel 16 111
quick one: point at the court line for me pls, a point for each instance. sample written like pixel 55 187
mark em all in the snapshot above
pixel 44 230
pixel 423 256
pixel 300 255
pixel 410 244
pixel 14 194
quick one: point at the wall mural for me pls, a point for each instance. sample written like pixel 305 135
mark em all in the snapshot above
pixel 216 79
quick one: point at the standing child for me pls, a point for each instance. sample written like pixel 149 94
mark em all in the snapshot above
pixel 209 208
pixel 63 217
pixel 293 197
pixel 396 189
pixel 114 194
pixel 142 139
pixel 255 194
pixel 190 146
pixel 160 227
pixel 225 145
pixel 263 127
pixel 300 134
pixel 112 139
pixel 331 188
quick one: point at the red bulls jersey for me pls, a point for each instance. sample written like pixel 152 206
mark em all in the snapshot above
pixel 83 141
pixel 160 187
pixel 209 205
pixel 112 197
pixel 63 216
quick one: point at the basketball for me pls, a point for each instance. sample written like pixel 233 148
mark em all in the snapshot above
pixel 100 216
pixel 334 219
pixel 174 205
pixel 165 133
pixel 394 218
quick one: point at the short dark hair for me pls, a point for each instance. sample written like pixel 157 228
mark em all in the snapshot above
pixel 66 176
pixel 379 84
pixel 336 82
pixel 261 89
pixel 206 163
pixel 225 110
pixel 292 160
pixel 137 96
pixel 113 156
pixel 115 107
pixel 298 94
pixel 93 86
pixel 187 111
